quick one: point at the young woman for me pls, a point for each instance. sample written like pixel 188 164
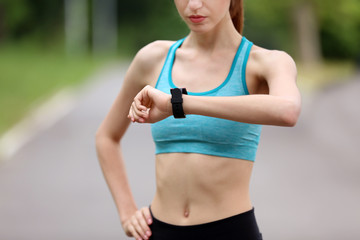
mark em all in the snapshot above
pixel 206 140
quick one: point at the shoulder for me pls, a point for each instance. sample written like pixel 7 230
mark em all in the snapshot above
pixel 148 63
pixel 272 62
pixel 152 54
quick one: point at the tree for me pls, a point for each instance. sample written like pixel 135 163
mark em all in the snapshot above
pixel 306 28
pixel 307 32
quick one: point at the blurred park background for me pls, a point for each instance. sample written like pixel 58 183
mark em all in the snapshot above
pixel 46 45
pixel 49 46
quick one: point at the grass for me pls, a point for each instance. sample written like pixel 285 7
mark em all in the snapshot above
pixel 28 75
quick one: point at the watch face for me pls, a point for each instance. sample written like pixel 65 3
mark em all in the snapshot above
pixel 176 91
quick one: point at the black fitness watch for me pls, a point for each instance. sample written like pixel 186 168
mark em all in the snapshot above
pixel 176 101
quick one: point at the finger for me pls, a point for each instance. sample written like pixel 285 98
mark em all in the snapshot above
pixel 145 228
pixel 140 232
pixel 147 217
pixel 133 232
pixel 134 113
pixel 141 98
pixel 131 115
pixel 140 114
pixel 139 102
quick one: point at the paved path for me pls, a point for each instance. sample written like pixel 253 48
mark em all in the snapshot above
pixel 305 186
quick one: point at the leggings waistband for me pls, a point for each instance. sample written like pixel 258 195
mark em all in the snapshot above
pixel 241 218
pixel 240 226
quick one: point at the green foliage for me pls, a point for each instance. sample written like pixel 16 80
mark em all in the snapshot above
pixel 267 23
pixel 40 20
pixel 140 24
pixel 271 24
pixel 17 12
pixel 340 28
pixel 29 75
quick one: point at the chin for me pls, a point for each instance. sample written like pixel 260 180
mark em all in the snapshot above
pixel 200 29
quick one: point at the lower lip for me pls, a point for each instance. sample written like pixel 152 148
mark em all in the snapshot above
pixel 197 19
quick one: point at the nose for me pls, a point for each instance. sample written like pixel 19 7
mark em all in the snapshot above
pixel 195 4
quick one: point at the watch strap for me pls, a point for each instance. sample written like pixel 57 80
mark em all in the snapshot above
pixel 177 101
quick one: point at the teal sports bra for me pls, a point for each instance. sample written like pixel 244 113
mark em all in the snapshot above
pixel 203 134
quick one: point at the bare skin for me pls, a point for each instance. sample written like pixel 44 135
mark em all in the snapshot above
pixel 195 188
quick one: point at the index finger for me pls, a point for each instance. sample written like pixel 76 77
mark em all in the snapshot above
pixel 138 102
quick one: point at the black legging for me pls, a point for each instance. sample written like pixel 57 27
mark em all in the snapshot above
pixel 238 227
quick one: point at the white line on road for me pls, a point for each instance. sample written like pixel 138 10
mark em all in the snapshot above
pixel 39 119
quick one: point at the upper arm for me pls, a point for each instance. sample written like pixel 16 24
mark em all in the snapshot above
pixel 280 73
pixel 141 72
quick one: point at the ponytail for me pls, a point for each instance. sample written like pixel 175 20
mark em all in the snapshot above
pixel 237 14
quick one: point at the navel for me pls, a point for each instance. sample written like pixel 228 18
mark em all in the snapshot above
pixel 186 212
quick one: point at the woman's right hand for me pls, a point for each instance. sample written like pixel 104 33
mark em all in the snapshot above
pixel 150 105
pixel 137 225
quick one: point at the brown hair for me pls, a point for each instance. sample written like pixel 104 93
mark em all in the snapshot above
pixel 237 14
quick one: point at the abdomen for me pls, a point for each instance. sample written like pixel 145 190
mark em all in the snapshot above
pixel 196 188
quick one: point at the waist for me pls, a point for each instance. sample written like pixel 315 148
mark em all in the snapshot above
pixel 195 188
pixel 242 217
pixel 242 226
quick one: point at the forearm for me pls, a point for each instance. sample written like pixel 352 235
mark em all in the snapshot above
pixel 113 168
pixel 256 109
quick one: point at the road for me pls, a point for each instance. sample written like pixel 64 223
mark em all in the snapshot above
pixel 305 184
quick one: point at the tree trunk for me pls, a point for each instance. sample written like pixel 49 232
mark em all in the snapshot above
pixel 307 33
pixel 104 25
pixel 2 27
pixel 76 26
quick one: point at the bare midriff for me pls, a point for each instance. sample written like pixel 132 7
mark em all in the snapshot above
pixel 195 188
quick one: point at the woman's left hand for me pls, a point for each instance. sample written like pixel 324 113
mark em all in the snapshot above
pixel 150 105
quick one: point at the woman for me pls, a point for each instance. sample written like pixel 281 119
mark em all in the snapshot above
pixel 206 151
